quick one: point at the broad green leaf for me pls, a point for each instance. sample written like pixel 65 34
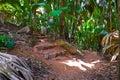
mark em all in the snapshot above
pixel 55 13
pixel 97 29
pixel 64 8
pixel 3 38
pixel 38 5
pixel 103 32
pixel 41 4
pixel 9 43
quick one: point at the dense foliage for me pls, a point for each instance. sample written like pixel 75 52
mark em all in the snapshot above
pixel 7 42
pixel 82 22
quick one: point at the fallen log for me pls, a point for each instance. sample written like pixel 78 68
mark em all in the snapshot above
pixel 70 48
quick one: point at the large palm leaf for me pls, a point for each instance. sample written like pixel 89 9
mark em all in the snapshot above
pixel 13 68
pixel 110 44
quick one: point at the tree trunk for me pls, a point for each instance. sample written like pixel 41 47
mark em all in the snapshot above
pixel 62 36
pixel 118 3
pixel 34 21
pixel 110 16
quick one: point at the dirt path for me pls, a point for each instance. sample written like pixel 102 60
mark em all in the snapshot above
pixel 65 66
pixel 61 65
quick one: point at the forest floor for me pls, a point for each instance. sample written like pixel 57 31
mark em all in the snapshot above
pixel 48 61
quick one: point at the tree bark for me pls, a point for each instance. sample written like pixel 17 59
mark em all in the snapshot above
pixel 62 36
pixel 110 15
pixel 118 3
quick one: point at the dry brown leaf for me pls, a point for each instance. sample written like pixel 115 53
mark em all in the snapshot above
pixel 110 44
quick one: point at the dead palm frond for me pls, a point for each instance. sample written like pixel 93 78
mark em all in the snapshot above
pixel 110 44
pixel 110 38
pixel 13 68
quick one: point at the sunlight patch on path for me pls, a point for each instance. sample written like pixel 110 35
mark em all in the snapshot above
pixel 81 64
